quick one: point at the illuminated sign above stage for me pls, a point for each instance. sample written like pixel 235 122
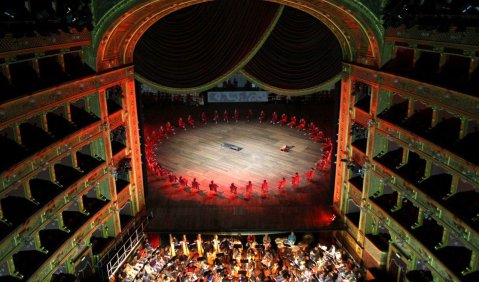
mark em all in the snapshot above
pixel 237 96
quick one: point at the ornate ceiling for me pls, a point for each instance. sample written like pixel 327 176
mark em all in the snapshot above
pixel 277 47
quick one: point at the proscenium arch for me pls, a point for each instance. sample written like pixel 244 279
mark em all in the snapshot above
pixel 116 34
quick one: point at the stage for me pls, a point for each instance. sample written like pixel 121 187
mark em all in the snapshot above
pixel 199 153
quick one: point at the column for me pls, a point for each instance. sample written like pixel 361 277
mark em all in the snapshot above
pixel 44 121
pixel 61 61
pixel 68 112
pixel 464 125
pixel 17 136
pixel 36 66
pixel 435 116
pixel 442 57
pixel 343 136
pixel 410 107
pixel 133 141
pixel 61 224
pixel 6 72
pixel 417 55
pixel 398 205
pixel 444 239
pixel 420 219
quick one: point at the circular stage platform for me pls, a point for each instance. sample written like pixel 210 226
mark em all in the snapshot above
pixel 239 152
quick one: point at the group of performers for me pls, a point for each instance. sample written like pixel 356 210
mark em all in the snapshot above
pixel 240 258
pixel 165 131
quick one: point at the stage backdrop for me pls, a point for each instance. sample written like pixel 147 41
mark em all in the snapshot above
pixel 237 96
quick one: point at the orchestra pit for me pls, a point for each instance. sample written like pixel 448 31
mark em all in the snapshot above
pixel 252 140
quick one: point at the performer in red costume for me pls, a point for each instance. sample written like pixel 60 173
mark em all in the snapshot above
pixel 284 119
pixel 302 124
pixel 213 186
pixel 226 116
pixel 195 184
pixel 191 121
pixel 233 188
pixel 249 116
pixel 292 123
pixel 249 187
pixel 236 115
pixel 264 186
pixel 295 179
pixel 274 118
pixel 183 181
pixel 216 117
pixel 181 123
pixel 169 128
pixel 262 116
pixel 282 184
pixel 162 133
pixel 310 174
pixel 204 118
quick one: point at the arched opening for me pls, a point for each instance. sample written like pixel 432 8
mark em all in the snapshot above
pixel 144 35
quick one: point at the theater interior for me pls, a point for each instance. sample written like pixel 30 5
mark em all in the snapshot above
pixel 253 140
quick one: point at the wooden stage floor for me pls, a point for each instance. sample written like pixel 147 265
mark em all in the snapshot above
pixel 197 153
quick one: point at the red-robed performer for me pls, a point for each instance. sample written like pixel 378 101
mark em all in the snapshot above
pixel 310 174
pixel 302 124
pixel 292 123
pixel 226 116
pixel 282 183
pixel 213 186
pixel 284 119
pixel 216 117
pixel 295 179
pixel 195 184
pixel 233 188
pixel 249 115
pixel 181 123
pixel 162 134
pixel 191 121
pixel 183 181
pixel 264 186
pixel 169 128
pixel 236 115
pixel 249 187
pixel 204 118
pixel 262 116
pixel 274 118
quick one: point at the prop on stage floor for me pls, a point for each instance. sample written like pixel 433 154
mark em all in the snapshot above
pixel 286 148
pixel 231 146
